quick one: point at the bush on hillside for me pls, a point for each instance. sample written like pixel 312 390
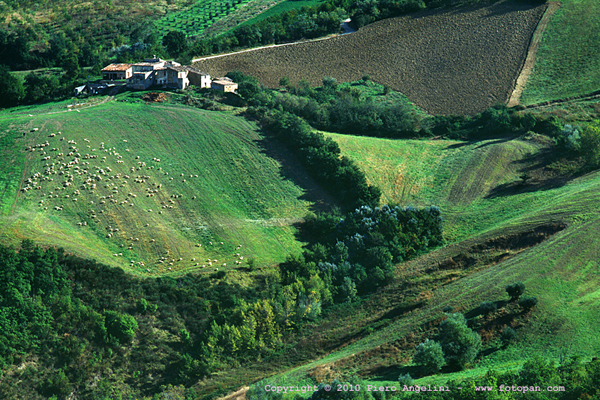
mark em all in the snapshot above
pixel 459 343
pixel 515 290
pixel 429 356
pixel 528 302
pixel 405 379
pixel 122 327
pixel 507 336
pixel 488 307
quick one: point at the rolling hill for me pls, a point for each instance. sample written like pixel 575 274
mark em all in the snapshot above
pixel 138 186
pixel 546 238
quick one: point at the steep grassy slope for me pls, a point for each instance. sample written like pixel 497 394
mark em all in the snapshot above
pixel 547 238
pixel 568 57
pixel 149 183
pixel 476 184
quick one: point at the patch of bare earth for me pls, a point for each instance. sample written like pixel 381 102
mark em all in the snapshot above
pixel 448 62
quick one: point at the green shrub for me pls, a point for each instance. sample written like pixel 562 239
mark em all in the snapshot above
pixel 122 327
pixel 515 290
pixel 459 343
pixel 508 336
pixel 405 379
pixel 142 306
pixel 488 307
pixel 430 356
pixel 528 302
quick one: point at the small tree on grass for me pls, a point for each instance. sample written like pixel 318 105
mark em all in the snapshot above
pixel 488 307
pixel 528 302
pixel 508 336
pixel 459 343
pixel 515 290
pixel 405 379
pixel 430 356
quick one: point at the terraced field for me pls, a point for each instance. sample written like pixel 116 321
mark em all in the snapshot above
pixel 459 61
pixel 152 188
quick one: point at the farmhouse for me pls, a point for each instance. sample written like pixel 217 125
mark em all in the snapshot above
pixel 117 72
pixel 168 74
pixel 224 85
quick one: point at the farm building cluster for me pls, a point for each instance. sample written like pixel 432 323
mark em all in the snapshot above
pixel 157 72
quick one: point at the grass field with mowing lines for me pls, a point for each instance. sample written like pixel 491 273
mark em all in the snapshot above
pixel 568 58
pixel 214 183
pixel 456 176
pixel 562 271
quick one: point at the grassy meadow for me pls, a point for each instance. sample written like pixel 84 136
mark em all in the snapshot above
pixel 568 58
pixel 561 271
pixel 160 180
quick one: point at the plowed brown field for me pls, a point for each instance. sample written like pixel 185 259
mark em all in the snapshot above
pixel 453 62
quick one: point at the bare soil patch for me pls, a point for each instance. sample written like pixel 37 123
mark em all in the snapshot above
pixel 452 62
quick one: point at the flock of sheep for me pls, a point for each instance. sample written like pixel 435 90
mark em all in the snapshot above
pixel 72 172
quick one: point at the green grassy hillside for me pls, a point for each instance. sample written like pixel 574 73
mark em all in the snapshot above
pixel 470 182
pixel 568 58
pixel 159 180
pixel 493 235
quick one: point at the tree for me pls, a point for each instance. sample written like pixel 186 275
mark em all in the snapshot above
pixel 142 306
pixel 488 307
pixel 329 82
pixel 175 42
pixel 459 343
pixel 405 379
pixel 590 145
pixel 430 356
pixel 515 290
pixel 285 81
pixel 120 326
pixel 507 336
pixel 528 302
pixel 11 88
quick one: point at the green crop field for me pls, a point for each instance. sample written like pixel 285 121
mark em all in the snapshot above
pixel 149 183
pixel 561 271
pixel 282 7
pixel 194 20
pixel 568 58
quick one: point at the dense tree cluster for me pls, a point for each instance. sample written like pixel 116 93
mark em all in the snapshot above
pixel 457 346
pixel 321 157
pixel 84 320
pixel 355 254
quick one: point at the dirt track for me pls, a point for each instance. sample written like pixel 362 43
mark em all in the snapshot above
pixel 457 62
pixel 530 60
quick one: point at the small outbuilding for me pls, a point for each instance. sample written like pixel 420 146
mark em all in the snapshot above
pixel 115 72
pixel 224 85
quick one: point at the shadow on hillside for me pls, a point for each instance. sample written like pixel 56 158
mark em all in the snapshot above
pixel 536 175
pixel 496 141
pixel 291 169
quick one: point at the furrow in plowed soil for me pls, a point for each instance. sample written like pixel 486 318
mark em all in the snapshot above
pixel 447 62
